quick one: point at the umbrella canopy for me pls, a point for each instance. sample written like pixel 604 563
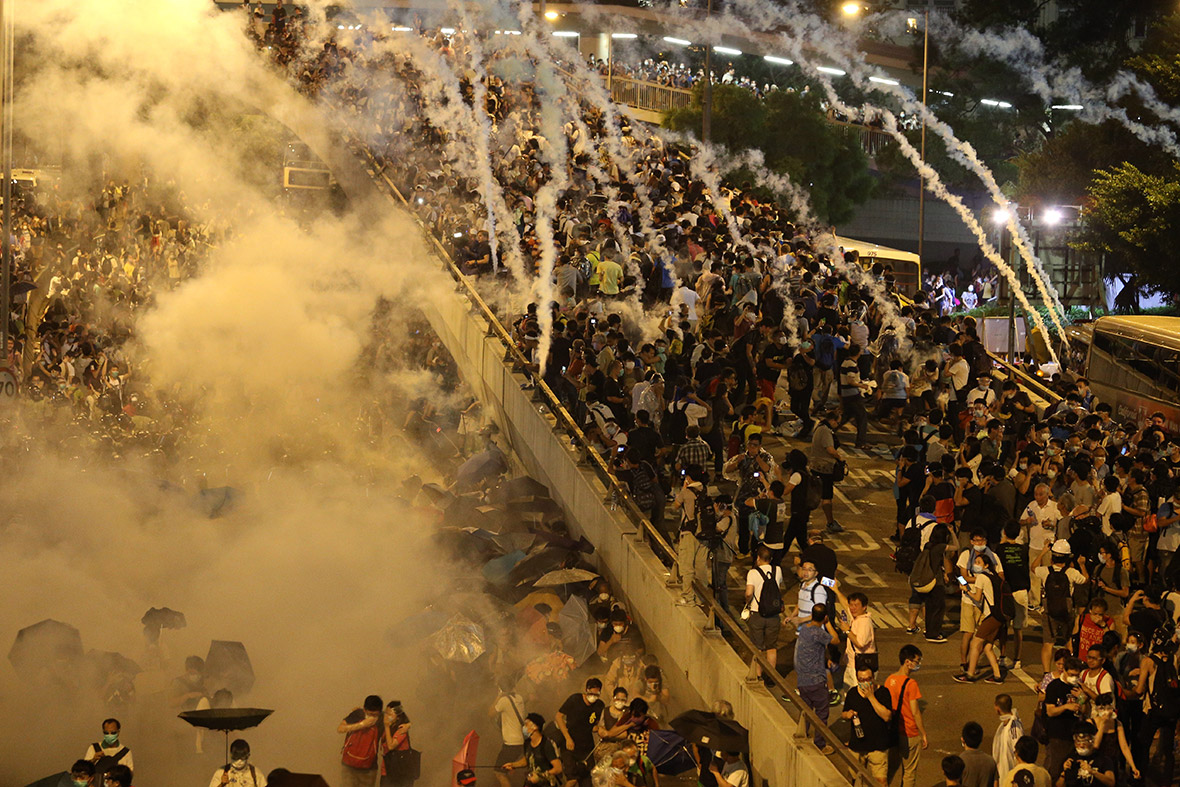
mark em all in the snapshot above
pixel 226 719
pixel 63 779
pixel 218 500
pixel 418 626
pixel 108 664
pixel 44 645
pixel 497 570
pixel 163 617
pixel 565 576
pixel 538 564
pixel 459 640
pixel 465 759
pixel 227 666
pixel 483 465
pixel 669 752
pixel 519 488
pixel 577 633
pixel 21 287
pixel 707 729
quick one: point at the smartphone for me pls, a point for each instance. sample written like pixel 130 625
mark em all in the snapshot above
pixel 683 472
pixel 757 475
pixel 828 583
pixel 622 448
pixel 962 580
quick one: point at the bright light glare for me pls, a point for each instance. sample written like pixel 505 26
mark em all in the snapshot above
pixel 457 235
pixel 850 9
pixel 447 31
pixel 782 61
pixel 566 33
pixel 551 15
pixel 911 24
pixel 402 29
pixel 836 72
pixel 724 50
pixel 884 81
pixel 1053 216
pixel 677 41
pixel 1001 216
pixel 991 102
pixel 1069 107
pixel 624 36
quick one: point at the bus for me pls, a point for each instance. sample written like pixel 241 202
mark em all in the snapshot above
pixel 906 266
pixel 1132 363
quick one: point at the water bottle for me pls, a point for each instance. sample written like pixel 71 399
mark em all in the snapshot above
pixel 857 729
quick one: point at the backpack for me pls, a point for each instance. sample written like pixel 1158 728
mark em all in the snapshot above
pixel 675 423
pixel 908 549
pixel 706 517
pixel 1165 690
pixel 106 761
pixel 825 351
pixel 770 598
pixel 1004 607
pixel 757 522
pixel 798 378
pixel 1057 598
pixel 923 576
pixel 360 748
pixel 815 491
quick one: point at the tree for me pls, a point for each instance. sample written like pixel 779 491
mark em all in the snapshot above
pixel 1135 220
pixel 796 139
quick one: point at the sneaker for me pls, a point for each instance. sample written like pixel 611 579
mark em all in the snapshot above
pixel 993 679
pixel 826 750
pixel 937 639
pixel 895 538
pixel 913 630
pixel 962 677
pixel 1017 665
pixel 835 527
pixel 1006 663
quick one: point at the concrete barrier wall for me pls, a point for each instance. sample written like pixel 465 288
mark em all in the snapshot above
pixel 698 663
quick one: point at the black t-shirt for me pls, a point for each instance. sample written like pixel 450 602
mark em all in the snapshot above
pixel 644 441
pixel 970 515
pixel 1095 763
pixel 1146 620
pixel 823 557
pixel 876 730
pixel 1060 726
pixel 774 352
pixel 1014 559
pixel 540 757
pixel 580 720
pixel 774 528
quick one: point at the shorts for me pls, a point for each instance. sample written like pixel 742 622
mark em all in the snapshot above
pixel 509 754
pixel 766 388
pixel 828 485
pixel 1020 619
pixel 1137 546
pixel 764 631
pixel 989 628
pixel 969 616
pixel 1059 630
pixel 574 765
pixel 876 763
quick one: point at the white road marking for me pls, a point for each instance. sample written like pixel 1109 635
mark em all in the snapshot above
pixel 850 505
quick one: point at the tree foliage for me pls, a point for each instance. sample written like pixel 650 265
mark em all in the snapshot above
pixel 796 139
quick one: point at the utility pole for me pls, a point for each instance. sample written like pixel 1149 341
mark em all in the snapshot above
pixel 707 97
pixel 922 173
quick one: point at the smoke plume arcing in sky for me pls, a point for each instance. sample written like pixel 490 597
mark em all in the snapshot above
pixel 320 556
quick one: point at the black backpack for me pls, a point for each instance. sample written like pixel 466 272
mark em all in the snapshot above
pixel 770 598
pixel 1057 598
pixel 1165 689
pixel 908 549
pixel 798 378
pixel 674 424
pixel 706 517
pixel 1004 608
pixel 107 761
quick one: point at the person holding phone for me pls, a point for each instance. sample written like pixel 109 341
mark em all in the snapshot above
pixel 856 622
pixel 754 469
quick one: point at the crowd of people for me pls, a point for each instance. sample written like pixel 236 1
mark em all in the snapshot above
pixel 682 358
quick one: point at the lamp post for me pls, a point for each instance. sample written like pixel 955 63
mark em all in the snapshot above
pixel 922 172
pixel 1000 217
pixel 707 91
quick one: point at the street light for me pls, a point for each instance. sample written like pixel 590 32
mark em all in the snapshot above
pixel 850 9
pixel 552 16
pixel 1053 216
pixel 1001 216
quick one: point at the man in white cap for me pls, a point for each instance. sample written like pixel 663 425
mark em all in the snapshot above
pixel 1055 583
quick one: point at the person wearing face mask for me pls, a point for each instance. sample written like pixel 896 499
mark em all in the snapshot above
pixel 108 752
pixel 641 771
pixel 1085 767
pixel 654 693
pixel 1063 710
pixel 870 708
pixel 362 743
pixel 1040 519
pixel 576 720
pixel 609 728
pixel 621 634
pixel 81 774
pixel 540 755
pixel 238 772
pixel 904 694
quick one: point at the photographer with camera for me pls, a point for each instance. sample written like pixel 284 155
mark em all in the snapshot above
pixel 716 530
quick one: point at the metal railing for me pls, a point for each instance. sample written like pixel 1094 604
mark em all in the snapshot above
pixel 651 96
pixel 809 724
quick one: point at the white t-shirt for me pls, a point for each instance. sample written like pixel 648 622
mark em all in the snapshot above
pixel 510 721
pixel 756 576
pixel 862 627
pixel 1090 680
pixel 1038 534
pixel 736 774
pixel 1111 504
pixel 242 778
pixel 986 394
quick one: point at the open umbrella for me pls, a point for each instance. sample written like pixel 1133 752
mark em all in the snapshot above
pixel 483 465
pixel 459 640
pixel 465 759
pixel 707 729
pixel 158 618
pixel 226 720
pixel 63 779
pixel 538 564
pixel 497 570
pixel 577 633
pixel 227 666
pixel 669 752
pixel 565 576
pixel 417 627
pixel 45 645
pixel 519 488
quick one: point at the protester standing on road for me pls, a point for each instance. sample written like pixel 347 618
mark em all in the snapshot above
pixel 979 767
pixel 576 720
pixel 857 626
pixel 811 667
pixel 824 455
pixel 239 771
pixel 764 601
pixel 1009 731
pixel 509 709
pixel 362 741
pixel 904 694
pixel 540 755
pixel 870 709
pixel 108 751
pixel 1063 707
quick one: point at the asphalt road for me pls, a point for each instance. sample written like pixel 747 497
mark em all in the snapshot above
pixel 864 505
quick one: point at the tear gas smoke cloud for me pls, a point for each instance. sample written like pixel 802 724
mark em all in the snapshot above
pixel 321 556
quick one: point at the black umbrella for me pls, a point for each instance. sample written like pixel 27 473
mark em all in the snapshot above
pixel 227 666
pixel 63 779
pixel 542 562
pixel 708 729
pixel 520 488
pixel 158 618
pixel 44 645
pixel 226 720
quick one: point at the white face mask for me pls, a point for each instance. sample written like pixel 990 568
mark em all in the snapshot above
pixel 620 629
pixel 620 704
pixel 1072 680
pixel 238 765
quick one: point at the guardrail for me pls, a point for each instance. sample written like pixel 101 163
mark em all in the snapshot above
pixel 844 760
pixel 652 96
